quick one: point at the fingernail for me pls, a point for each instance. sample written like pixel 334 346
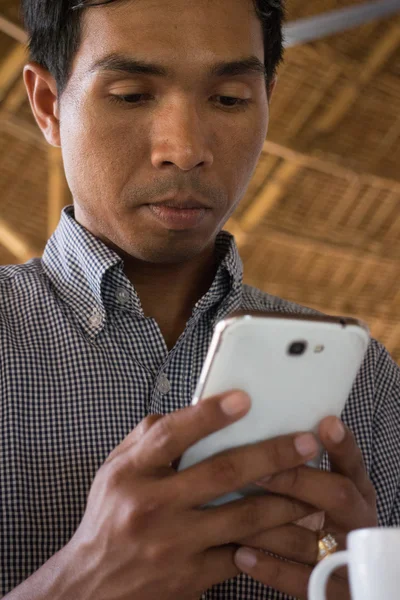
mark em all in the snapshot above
pixel 336 431
pixel 235 403
pixel 306 444
pixel 245 558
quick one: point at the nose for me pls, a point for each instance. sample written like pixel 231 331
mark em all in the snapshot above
pixel 180 138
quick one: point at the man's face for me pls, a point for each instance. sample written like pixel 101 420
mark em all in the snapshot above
pixel 180 134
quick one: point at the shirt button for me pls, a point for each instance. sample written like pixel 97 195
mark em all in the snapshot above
pixel 163 384
pixel 96 318
pixel 123 296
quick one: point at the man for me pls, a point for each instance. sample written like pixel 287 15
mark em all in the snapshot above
pixel 161 109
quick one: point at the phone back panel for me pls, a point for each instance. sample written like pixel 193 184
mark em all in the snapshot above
pixel 289 392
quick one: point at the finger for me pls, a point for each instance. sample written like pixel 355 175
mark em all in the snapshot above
pixel 174 433
pixel 314 522
pixel 134 436
pixel 235 520
pixel 233 469
pixel 287 577
pixel 289 541
pixel 216 566
pixel 344 454
pixel 331 492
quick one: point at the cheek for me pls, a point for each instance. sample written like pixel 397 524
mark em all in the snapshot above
pixel 244 146
pixel 100 154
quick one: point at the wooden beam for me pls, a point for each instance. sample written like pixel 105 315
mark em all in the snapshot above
pixel 380 53
pixel 300 243
pixel 13 30
pixel 295 160
pixel 11 68
pixel 15 244
pixel 324 165
pixel 59 194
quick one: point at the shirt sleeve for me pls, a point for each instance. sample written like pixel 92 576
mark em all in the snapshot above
pixel 385 469
pixel 395 516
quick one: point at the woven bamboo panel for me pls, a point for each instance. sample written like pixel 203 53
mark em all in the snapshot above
pixel 346 213
pixel 369 148
pixel 10 10
pixel 23 188
pixel 329 280
pixel 366 138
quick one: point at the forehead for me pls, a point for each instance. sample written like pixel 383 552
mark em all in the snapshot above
pixel 187 33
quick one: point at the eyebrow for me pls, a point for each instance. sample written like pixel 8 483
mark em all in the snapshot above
pixel 124 64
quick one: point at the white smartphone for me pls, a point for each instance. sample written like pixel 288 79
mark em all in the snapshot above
pixel 297 369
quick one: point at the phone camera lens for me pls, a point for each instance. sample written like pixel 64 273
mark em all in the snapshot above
pixel 297 348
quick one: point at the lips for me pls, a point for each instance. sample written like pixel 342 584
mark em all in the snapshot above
pixel 179 219
pixel 180 211
pixel 181 205
pixel 180 201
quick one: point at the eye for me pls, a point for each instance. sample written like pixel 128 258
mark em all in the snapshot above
pixel 129 98
pixel 231 101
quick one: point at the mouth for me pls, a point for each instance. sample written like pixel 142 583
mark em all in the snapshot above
pixel 181 202
pixel 179 213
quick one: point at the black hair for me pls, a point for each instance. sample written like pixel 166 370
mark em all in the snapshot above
pixel 54 30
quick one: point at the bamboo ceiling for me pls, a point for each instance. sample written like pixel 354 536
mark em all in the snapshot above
pixel 320 223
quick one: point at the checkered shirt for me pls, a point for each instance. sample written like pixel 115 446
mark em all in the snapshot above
pixel 81 366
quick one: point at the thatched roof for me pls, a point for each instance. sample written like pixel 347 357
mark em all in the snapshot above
pixel 320 223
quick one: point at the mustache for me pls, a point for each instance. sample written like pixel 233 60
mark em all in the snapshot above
pixel 152 191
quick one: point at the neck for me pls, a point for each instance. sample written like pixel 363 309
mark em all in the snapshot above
pixel 169 292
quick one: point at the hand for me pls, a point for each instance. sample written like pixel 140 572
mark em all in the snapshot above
pixel 143 534
pixel 348 499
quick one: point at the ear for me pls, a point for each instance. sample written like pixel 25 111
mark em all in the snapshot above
pixel 271 87
pixel 43 98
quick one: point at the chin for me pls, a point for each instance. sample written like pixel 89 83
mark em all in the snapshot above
pixel 171 251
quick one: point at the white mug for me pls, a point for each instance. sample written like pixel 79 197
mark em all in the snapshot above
pixel 373 560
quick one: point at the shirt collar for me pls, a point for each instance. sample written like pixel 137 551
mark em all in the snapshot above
pixel 227 286
pixel 77 263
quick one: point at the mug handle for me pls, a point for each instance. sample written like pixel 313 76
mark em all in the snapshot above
pixel 319 576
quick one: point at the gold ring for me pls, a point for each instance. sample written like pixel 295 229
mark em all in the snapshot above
pixel 327 544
